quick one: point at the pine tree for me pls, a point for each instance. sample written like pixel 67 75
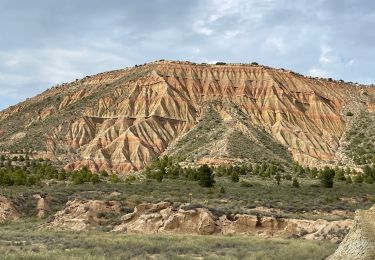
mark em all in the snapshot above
pixel 326 177
pixel 339 175
pixel 206 178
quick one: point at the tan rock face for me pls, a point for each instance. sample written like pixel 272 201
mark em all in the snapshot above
pixel 42 205
pixel 7 210
pixel 163 218
pixel 359 244
pixel 121 120
pixel 83 215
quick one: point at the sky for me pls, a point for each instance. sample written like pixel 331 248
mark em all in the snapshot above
pixel 48 42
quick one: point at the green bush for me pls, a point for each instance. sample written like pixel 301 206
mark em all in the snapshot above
pixel 206 178
pixel 358 179
pixel 235 177
pixel 326 177
pixel 295 183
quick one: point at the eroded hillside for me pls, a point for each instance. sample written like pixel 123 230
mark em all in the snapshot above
pixel 123 119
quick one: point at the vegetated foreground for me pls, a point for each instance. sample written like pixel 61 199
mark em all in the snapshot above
pixel 299 192
pixel 23 240
pixel 264 190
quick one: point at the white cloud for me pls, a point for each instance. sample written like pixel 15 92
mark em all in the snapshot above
pixel 349 63
pixel 318 72
pixel 201 27
pixel 213 11
pixel 276 43
pixel 11 79
pixel 326 55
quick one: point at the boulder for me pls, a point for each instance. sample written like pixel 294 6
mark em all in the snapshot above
pixel 7 210
pixel 164 218
pixel 359 244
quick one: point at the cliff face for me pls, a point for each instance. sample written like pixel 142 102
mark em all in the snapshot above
pixel 121 120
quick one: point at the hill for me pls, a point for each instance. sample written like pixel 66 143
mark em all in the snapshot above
pixel 121 120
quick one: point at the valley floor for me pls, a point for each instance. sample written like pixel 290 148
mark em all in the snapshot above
pixel 310 201
pixel 23 240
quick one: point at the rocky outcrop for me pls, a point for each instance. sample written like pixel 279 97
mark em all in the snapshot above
pixel 167 218
pixel 334 231
pixel 42 206
pixel 83 215
pixel 164 218
pixel 121 120
pixel 359 244
pixel 7 210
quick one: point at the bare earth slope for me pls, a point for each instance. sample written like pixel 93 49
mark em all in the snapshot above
pixel 121 120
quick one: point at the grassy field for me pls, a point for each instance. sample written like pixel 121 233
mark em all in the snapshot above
pixel 23 240
pixel 226 196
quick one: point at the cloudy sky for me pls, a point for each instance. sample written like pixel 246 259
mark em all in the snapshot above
pixel 46 42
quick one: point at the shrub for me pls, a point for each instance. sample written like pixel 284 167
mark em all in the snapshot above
pixel 246 184
pixel 95 179
pixel 339 175
pixel 349 113
pixel 358 178
pixel 235 177
pixel 295 183
pixel 114 178
pixel 288 177
pixel 206 178
pixel 326 177
pixel 278 178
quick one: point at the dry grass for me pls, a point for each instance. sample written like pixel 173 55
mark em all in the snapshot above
pixel 22 240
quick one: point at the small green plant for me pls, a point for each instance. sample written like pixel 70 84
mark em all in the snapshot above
pixel 358 178
pixel 326 177
pixel 278 178
pixel 295 183
pixel 235 177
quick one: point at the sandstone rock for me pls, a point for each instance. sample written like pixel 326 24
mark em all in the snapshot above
pixel 164 218
pixel 42 205
pixel 359 244
pixel 7 210
pixel 334 231
pixel 82 215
